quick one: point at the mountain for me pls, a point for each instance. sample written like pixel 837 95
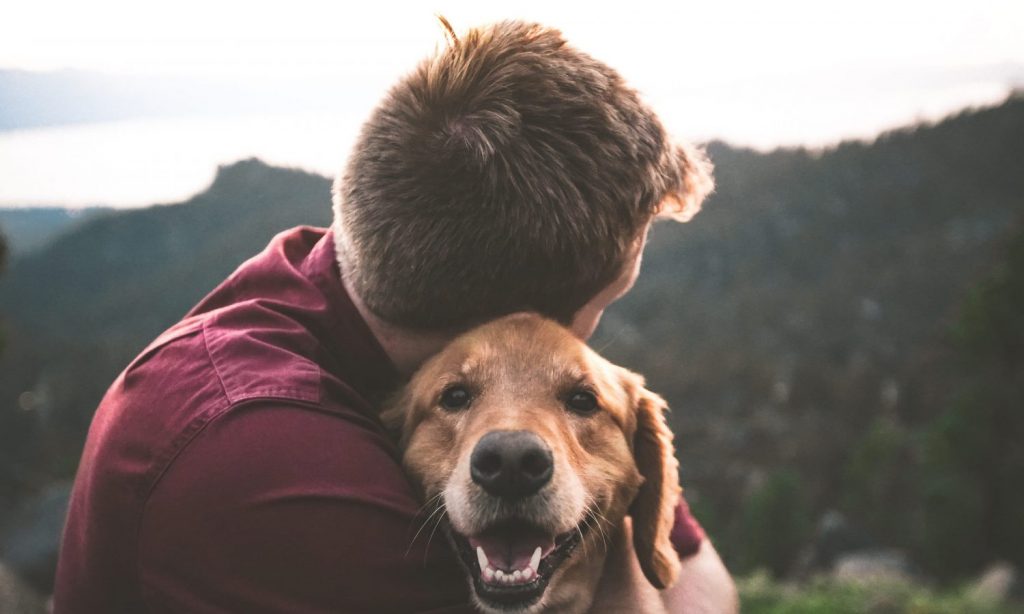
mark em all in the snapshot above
pixel 801 326
pixel 111 276
pixel 811 301
pixel 29 228
pixel 813 283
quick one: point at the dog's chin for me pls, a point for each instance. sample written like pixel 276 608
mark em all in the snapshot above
pixel 511 562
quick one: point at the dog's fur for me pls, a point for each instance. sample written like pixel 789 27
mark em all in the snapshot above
pixel 614 461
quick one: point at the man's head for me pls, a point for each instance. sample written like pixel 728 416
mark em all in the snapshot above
pixel 508 172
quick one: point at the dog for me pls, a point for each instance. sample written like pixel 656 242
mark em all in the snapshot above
pixel 535 449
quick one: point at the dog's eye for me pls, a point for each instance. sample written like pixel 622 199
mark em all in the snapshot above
pixel 455 398
pixel 582 402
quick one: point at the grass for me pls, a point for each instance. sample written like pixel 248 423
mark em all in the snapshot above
pixel 760 594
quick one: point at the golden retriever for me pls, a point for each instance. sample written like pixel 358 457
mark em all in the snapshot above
pixel 536 449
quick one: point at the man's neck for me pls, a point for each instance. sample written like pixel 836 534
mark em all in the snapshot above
pixel 407 349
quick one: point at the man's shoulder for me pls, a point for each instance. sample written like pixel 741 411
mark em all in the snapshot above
pixel 202 368
pixel 257 352
pixel 205 364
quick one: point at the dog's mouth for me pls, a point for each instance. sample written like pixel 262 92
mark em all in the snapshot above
pixel 512 562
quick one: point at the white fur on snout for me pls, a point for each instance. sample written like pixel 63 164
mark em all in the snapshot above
pixel 559 506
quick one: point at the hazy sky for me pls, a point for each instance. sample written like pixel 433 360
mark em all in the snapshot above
pixel 648 40
pixel 760 73
pixel 724 56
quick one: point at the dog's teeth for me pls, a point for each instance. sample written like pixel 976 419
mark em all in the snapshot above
pixel 517 576
pixel 528 574
pixel 535 559
pixel 499 575
pixel 481 558
pixel 488 574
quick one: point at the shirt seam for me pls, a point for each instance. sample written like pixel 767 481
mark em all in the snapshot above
pixel 213 363
pixel 310 393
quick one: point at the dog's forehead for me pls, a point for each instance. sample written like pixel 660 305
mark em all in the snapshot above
pixel 521 344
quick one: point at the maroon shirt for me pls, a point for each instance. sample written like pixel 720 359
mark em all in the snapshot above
pixel 238 464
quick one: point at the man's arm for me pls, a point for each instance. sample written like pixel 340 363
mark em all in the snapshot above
pixel 274 508
pixel 704 585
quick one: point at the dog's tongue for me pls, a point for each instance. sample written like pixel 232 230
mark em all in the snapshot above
pixel 511 547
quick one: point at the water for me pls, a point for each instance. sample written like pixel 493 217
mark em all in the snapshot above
pixel 146 161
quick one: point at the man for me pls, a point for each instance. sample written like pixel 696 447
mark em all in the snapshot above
pixel 239 465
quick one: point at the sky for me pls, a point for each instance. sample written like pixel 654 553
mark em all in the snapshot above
pixel 760 74
pixel 709 40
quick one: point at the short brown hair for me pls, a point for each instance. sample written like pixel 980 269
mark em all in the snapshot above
pixel 507 172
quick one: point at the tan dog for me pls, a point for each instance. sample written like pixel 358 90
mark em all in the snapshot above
pixel 536 448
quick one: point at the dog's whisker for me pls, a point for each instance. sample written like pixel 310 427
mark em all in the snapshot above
pixel 439 508
pixel 599 517
pixel 440 518
pixel 586 524
pixel 433 500
pixel 593 518
pixel 582 541
pixel 589 521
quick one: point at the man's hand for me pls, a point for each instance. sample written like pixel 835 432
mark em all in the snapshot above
pixel 704 585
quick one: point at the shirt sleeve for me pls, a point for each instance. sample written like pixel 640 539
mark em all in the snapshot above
pixel 288 509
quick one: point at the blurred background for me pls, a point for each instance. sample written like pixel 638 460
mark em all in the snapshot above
pixel 840 332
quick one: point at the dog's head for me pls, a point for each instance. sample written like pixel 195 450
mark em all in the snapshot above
pixel 537 448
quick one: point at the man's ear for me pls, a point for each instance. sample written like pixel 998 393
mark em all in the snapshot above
pixel 695 183
pixel 653 509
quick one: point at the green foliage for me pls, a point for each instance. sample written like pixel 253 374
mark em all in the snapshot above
pixel 877 480
pixel 972 460
pixel 950 488
pixel 759 594
pixel 774 523
pixel 991 327
pixel 952 483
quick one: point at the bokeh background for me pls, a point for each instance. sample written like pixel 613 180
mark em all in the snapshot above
pixel 840 332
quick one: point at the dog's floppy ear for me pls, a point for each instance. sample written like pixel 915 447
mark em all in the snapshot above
pixel 396 412
pixel 653 509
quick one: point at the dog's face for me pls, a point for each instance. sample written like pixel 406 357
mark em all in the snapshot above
pixel 536 448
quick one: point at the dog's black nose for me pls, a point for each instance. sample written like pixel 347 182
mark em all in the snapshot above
pixel 511 464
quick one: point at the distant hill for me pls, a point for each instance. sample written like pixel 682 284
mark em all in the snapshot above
pixel 29 228
pixel 812 295
pixel 127 274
